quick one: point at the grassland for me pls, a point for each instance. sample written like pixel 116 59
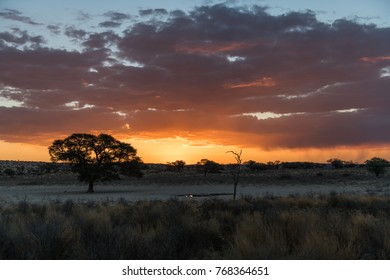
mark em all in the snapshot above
pixel 325 227
pixel 280 214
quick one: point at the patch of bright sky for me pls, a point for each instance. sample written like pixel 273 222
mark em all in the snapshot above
pixel 363 11
pixel 272 115
pixel 120 113
pixel 4 102
pixel 75 105
pixel 235 58
pixel 7 101
pixel 126 62
pixel 269 115
pixel 54 11
pixel 385 72
pixel 321 90
pixel 352 110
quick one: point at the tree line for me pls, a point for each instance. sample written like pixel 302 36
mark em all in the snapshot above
pixel 103 158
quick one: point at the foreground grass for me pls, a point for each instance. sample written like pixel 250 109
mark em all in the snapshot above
pixel 328 227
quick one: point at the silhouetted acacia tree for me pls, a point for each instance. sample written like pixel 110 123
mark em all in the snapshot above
pixel 377 165
pixel 237 170
pixel 177 165
pixel 208 166
pixel 336 163
pixel 96 158
pixel 256 166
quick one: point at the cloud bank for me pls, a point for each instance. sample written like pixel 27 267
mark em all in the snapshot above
pixel 233 75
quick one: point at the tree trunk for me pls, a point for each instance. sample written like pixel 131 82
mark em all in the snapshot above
pixel 235 190
pixel 90 187
pixel 236 179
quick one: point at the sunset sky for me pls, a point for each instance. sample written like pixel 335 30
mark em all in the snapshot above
pixel 186 80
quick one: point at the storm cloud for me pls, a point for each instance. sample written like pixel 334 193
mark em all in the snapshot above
pixel 286 81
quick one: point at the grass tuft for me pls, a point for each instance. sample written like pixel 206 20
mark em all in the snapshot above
pixel 337 226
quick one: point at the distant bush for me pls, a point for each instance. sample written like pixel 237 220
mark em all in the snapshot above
pixel 301 165
pixel 177 165
pixel 327 227
pixel 256 166
pixel 49 168
pixel 208 166
pixel 377 165
pixel 9 172
pixel 336 163
pixel 259 166
pixel 350 164
pixel 20 170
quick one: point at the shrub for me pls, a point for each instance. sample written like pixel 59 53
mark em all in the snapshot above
pixel 177 165
pixel 377 166
pixel 208 166
pixel 9 172
pixel 336 163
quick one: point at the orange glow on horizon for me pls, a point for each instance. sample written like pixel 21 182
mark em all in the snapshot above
pixel 23 152
pixel 171 149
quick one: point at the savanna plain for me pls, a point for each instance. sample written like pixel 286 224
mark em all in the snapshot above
pixel 279 213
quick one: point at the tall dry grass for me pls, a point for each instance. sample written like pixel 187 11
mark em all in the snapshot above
pixel 326 227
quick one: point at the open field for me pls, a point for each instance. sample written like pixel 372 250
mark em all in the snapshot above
pixel 159 184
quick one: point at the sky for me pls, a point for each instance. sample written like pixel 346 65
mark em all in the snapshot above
pixel 187 80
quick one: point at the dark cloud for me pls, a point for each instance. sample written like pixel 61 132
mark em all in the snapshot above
pixel 110 24
pixel 115 19
pixel 177 13
pixel 325 130
pixel 75 33
pixel 153 12
pixel 46 69
pixel 19 37
pixel 216 71
pixel 34 123
pixel 17 16
pixel 55 29
pixel 100 40
pixel 116 16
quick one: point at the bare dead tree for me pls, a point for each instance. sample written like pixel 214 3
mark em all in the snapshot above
pixel 237 170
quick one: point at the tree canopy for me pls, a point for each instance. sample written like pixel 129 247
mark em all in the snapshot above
pixel 96 158
pixel 177 165
pixel 377 165
pixel 209 166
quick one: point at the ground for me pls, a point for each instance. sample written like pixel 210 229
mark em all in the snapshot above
pixel 159 184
